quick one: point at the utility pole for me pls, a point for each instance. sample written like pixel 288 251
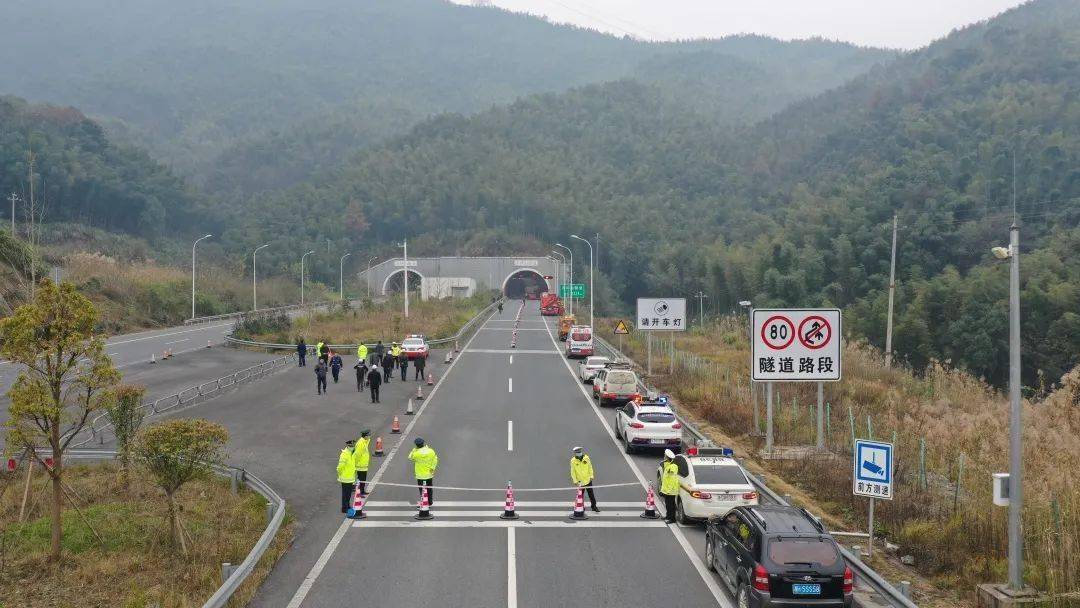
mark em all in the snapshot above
pixel 405 274
pixel 367 275
pixel 302 275
pixel 700 295
pixel 14 198
pixel 1016 455
pixel 892 296
pixel 30 240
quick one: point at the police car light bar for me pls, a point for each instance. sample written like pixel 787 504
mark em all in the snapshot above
pixel 724 452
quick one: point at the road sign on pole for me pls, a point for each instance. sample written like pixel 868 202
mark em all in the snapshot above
pixel 621 328
pixel 661 314
pixel 873 464
pixel 572 290
pixel 796 345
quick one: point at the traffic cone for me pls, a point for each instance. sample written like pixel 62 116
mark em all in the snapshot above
pixel 423 508
pixel 579 505
pixel 378 446
pixel 449 358
pixel 430 378
pixel 419 391
pixel 207 344
pixel 409 409
pixel 395 426
pixel 48 462
pixel 357 510
pixel 508 512
pixel 152 359
pixel 12 464
pixel 457 349
pixel 650 505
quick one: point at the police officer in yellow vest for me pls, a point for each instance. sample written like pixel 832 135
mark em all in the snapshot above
pixel 361 352
pixel 425 461
pixel 581 473
pixel 346 474
pixel 395 351
pixel 362 458
pixel 669 485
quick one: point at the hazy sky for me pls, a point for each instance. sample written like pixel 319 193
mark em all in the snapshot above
pixel 893 23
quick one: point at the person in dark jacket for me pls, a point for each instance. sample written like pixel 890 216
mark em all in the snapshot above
pixel 379 350
pixel 403 363
pixel 301 352
pixel 388 366
pixel 419 364
pixel 361 374
pixel 320 378
pixel 335 365
pixel 374 380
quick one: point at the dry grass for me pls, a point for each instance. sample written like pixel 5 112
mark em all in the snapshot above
pixel 951 432
pixel 135 567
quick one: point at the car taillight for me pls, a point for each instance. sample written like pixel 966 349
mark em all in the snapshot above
pixel 761 578
pixel 676 425
pixel 637 425
pixel 750 496
pixel 607 395
pixel 701 495
pixel 849 580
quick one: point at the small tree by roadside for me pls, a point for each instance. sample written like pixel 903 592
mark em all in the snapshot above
pixel 175 452
pixel 67 378
pixel 126 414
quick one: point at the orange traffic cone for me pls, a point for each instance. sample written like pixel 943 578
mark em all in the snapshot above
pixel 430 378
pixel 579 505
pixel 423 511
pixel 508 512
pixel 378 446
pixel 419 391
pixel 357 510
pixel 395 426
pixel 650 505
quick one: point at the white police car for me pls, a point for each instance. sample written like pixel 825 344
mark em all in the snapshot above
pixel 711 483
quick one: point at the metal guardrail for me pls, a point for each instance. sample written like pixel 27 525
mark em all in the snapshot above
pixel 225 592
pixel 861 570
pixel 261 311
pixel 187 396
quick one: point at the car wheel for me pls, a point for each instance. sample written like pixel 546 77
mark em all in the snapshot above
pixel 627 446
pixel 710 559
pixel 680 514
pixel 742 596
pixel 618 431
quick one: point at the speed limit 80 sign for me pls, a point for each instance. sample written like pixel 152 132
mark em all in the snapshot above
pixel 796 345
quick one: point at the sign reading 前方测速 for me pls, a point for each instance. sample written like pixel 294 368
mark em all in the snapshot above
pixel 661 314
pixel 796 345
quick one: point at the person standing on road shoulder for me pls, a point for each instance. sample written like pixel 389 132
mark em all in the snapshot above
pixel 361 458
pixel 425 461
pixel 374 380
pixel 388 366
pixel 346 474
pixel 419 364
pixel 335 365
pixel 362 352
pixel 320 378
pixel 321 351
pixel 403 363
pixel 669 485
pixel 379 350
pixel 395 350
pixel 581 473
pixel 301 352
pixel 361 374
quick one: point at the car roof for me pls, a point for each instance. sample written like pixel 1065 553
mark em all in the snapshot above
pixel 649 408
pixel 784 520
pixel 711 461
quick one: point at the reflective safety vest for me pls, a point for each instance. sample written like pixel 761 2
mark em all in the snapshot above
pixel 361 352
pixel 669 479
pixel 361 456
pixel 346 469
pixel 395 351
pixel 424 462
pixel 320 348
pixel 581 471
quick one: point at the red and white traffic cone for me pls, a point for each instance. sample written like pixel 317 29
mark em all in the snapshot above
pixel 457 349
pixel 419 392
pixel 357 510
pixel 12 464
pixel 449 357
pixel 430 378
pixel 650 505
pixel 579 505
pixel 423 510
pixel 152 359
pixel 508 512
pixel 207 344
pixel 395 426
pixel 378 446
pixel 409 409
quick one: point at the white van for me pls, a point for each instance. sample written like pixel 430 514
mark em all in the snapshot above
pixel 579 342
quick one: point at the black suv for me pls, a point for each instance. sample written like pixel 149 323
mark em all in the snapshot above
pixel 774 555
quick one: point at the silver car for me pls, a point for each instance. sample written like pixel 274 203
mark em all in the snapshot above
pixel 587 369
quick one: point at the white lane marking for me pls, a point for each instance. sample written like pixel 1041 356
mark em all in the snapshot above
pixel 175 333
pixel 509 435
pixel 511 569
pixel 177 341
pixel 112 354
pixel 513 351
pixel 510 385
pixel 710 582
pixel 511 359
pixel 328 552
pixel 567 504
pixel 408 513
pixel 513 329
pixel 511 523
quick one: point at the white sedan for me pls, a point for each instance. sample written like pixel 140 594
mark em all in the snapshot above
pixel 587 369
pixel 710 484
pixel 647 426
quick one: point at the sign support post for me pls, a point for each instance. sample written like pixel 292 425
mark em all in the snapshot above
pixel 821 415
pixel 870 529
pixel 768 417
pixel 648 347
pixel 872 477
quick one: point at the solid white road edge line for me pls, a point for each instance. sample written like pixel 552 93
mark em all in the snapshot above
pixel 511 523
pixel 567 508
pixel 178 341
pixel 175 333
pixel 509 435
pixel 328 551
pixel 511 569
pixel 718 594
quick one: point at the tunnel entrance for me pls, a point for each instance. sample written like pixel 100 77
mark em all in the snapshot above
pixel 394 283
pixel 523 283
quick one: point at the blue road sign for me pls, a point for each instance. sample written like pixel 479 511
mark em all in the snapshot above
pixel 873 474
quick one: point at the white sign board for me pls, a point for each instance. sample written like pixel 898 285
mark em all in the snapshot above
pixel 526 263
pixel 873 475
pixel 796 345
pixel 661 314
pixel 400 263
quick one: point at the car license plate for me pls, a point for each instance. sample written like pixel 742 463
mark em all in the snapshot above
pixel 806 589
pixel 658 441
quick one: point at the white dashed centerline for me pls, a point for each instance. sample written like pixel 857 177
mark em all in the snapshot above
pixel 510 385
pixel 509 435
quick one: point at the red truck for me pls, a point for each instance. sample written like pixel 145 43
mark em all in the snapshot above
pixel 550 305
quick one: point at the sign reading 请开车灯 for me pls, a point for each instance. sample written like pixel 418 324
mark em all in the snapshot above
pixel 661 314
pixel 796 345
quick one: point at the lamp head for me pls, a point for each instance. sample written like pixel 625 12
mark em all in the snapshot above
pixel 1001 253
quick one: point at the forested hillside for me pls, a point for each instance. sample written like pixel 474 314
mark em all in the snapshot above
pixel 795 210
pixel 211 86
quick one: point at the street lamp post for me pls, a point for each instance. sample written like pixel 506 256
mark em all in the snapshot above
pixel 405 273
pixel 367 276
pixel 193 272
pixel 591 309
pixel 570 291
pixel 341 276
pixel 254 287
pixel 701 297
pixel 559 278
pixel 302 275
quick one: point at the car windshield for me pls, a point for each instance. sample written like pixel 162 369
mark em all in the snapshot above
pixel 596 362
pixel 413 343
pixel 581 336
pixel 620 377
pixel 803 551
pixel 724 474
pixel 656 417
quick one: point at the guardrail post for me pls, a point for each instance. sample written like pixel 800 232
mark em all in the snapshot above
pixel 905 589
pixel 269 511
pixel 234 482
pixel 226 571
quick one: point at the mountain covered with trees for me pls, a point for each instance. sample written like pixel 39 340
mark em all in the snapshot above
pixel 792 210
